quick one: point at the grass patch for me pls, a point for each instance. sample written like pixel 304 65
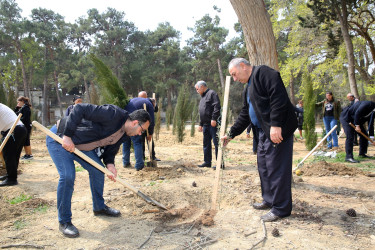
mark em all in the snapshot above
pixel 19 224
pixel 41 209
pixel 79 168
pixel 19 199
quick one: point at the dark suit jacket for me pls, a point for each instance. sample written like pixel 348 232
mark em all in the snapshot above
pixel 271 104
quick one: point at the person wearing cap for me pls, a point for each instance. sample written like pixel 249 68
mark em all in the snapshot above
pixel 209 113
pixel 76 99
pixel 357 114
pixel 13 148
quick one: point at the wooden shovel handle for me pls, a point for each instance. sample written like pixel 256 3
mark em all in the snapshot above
pixel 361 133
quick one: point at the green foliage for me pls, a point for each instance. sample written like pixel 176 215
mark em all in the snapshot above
pixel 158 121
pixel 112 92
pixel 183 112
pixel 194 118
pixel 3 94
pixel 309 101
pixel 41 209
pixel 79 169
pixel 19 199
pixel 12 99
pixel 94 97
pixel 19 224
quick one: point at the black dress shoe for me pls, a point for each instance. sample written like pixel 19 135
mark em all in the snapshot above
pixel 156 159
pixel 3 177
pixel 268 217
pixel 351 160
pixel 69 230
pixel 8 182
pixel 222 166
pixel 261 206
pixel 205 165
pixel 365 156
pixel 107 211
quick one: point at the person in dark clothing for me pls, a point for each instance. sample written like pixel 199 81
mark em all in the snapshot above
pixel 299 113
pixel 266 105
pixel 136 104
pixel 24 108
pixel 87 128
pixel 209 113
pixel 255 137
pixel 76 99
pixel 143 94
pixel 351 98
pixel 357 114
pixel 13 148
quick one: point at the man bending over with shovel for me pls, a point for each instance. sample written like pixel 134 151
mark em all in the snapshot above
pixel 87 128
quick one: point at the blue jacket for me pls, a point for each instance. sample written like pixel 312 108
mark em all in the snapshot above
pixel 137 103
pixel 88 123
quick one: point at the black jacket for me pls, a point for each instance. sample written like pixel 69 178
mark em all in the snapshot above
pixel 358 113
pixel 26 115
pixel 88 123
pixel 270 101
pixel 209 107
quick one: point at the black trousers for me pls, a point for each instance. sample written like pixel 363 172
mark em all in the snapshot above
pixel 12 150
pixel 350 134
pixel 275 171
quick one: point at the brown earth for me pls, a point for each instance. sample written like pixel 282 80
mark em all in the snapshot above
pixel 322 195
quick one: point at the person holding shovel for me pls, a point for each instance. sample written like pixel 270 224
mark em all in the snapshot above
pixel 137 104
pixel 209 113
pixel 356 114
pixel 87 128
pixel 13 147
pixel 266 105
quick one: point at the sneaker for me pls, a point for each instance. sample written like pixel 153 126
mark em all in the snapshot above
pixel 28 157
pixel 23 157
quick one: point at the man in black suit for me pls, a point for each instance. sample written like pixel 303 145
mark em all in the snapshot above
pixel 357 114
pixel 267 106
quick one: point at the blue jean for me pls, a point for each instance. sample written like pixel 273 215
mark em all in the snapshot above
pixel 64 162
pixel 209 133
pixel 329 123
pixel 138 151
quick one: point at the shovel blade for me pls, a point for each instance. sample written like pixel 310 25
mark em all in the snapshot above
pixel 150 200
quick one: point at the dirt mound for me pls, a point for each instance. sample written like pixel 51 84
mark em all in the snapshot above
pixel 10 211
pixel 305 211
pixel 177 215
pixel 323 168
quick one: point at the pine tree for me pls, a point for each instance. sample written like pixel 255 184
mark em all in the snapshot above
pixel 169 117
pixel 194 118
pixel 110 87
pixel 183 112
pixel 94 97
pixel 3 95
pixel 309 100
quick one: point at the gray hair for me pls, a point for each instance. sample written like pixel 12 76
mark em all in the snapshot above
pixel 201 83
pixel 236 61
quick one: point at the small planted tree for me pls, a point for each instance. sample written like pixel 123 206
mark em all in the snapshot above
pixel 183 112
pixel 169 116
pixel 194 118
pixel 158 121
pixel 94 97
pixel 309 100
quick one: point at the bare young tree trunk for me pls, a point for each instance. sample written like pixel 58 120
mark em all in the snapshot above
pixel 291 86
pixel 257 29
pixel 45 116
pixel 221 75
pixel 343 17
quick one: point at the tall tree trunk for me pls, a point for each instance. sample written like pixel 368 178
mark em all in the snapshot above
pixel 221 75
pixel 45 115
pixel 87 90
pixel 26 88
pixel 58 93
pixel 291 86
pixel 257 29
pixel 343 18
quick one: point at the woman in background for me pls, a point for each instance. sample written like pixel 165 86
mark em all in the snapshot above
pixel 24 107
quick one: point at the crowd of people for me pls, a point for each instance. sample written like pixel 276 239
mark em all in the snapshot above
pixel 99 131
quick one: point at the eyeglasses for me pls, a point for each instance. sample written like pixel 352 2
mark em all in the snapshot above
pixel 143 130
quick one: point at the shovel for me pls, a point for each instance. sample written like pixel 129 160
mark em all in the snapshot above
pixel 99 167
pixel 10 133
pixel 151 163
pixel 361 133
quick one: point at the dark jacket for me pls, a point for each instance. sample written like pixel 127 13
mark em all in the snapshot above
pixel 358 113
pixel 209 107
pixel 270 101
pixel 137 103
pixel 88 123
pixel 26 115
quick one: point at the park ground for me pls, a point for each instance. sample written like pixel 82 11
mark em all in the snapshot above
pixel 321 197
